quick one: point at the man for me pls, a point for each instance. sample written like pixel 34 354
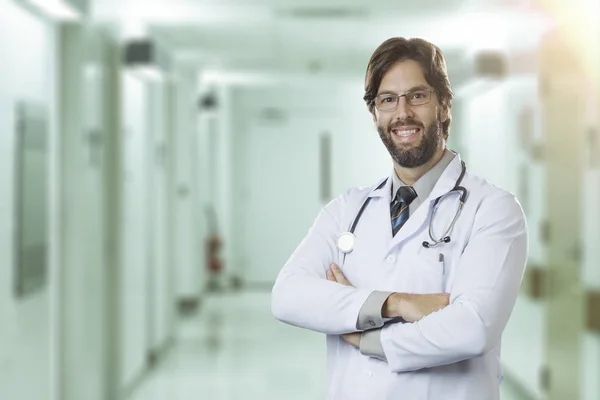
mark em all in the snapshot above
pixel 407 317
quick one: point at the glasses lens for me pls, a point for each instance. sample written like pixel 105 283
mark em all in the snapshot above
pixel 418 97
pixel 386 102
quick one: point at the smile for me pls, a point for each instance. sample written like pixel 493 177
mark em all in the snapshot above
pixel 406 132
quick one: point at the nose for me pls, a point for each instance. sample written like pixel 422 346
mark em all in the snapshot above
pixel 403 110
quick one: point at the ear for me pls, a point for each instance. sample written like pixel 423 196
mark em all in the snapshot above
pixel 445 113
pixel 374 115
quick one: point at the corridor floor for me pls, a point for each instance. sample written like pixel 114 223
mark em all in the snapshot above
pixel 235 349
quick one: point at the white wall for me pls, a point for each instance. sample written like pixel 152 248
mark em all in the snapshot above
pixel 590 273
pixel 83 268
pixel 188 248
pixel 590 349
pixel 27 45
pixel 162 303
pixel 135 227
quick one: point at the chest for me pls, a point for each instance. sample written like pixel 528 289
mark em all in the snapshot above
pixel 400 263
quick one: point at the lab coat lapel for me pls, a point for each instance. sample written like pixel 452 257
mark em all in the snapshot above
pixel 381 199
pixel 383 192
pixel 419 219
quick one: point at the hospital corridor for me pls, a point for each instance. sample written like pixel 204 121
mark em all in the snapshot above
pixel 178 176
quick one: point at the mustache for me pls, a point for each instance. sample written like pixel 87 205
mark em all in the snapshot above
pixel 406 122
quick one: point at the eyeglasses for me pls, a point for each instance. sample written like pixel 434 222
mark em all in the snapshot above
pixel 389 101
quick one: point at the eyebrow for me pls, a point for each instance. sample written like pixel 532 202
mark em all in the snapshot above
pixel 412 89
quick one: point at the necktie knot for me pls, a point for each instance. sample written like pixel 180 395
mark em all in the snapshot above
pixel 406 194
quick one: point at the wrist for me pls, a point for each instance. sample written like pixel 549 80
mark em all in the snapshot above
pixel 393 306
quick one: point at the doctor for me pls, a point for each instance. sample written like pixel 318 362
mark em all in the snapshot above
pixel 412 279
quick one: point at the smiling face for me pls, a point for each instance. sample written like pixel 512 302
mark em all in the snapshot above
pixel 412 134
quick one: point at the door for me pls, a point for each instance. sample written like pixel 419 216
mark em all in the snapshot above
pixel 283 177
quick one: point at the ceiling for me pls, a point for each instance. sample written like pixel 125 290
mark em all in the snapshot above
pixel 330 37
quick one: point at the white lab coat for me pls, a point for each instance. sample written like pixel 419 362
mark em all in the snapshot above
pixel 452 354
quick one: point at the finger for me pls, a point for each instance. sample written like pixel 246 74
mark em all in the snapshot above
pixel 330 276
pixel 339 276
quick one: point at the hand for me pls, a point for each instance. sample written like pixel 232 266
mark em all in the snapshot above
pixel 413 307
pixel 352 339
pixel 334 274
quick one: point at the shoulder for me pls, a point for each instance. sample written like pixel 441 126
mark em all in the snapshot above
pixel 351 198
pixel 492 204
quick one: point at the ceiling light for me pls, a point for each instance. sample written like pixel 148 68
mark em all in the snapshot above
pixel 61 10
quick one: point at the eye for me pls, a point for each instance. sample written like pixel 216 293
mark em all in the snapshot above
pixel 387 99
pixel 418 95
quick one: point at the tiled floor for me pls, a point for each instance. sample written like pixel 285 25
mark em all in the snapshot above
pixel 235 349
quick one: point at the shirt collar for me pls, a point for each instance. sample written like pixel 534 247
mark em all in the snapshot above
pixel 425 184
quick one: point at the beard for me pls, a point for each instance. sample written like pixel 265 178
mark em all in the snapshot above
pixel 412 157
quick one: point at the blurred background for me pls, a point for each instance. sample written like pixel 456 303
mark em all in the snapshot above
pixel 161 160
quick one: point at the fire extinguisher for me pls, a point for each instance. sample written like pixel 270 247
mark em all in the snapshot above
pixel 214 244
pixel 214 249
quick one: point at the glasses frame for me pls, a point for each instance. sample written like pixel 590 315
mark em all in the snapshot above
pixel 397 97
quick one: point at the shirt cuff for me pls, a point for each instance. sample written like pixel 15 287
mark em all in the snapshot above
pixel 370 344
pixel 369 316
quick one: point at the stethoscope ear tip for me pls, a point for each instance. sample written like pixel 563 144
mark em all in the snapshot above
pixel 426 245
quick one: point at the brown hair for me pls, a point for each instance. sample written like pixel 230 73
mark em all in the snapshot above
pixel 429 57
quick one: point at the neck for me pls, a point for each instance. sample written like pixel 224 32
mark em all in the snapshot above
pixel 410 175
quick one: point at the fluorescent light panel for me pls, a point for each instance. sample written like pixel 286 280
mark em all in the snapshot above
pixel 57 9
pixel 148 73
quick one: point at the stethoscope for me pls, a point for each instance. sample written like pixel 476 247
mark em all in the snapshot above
pixel 347 240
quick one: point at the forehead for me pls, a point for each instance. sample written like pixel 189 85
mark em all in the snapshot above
pixel 403 76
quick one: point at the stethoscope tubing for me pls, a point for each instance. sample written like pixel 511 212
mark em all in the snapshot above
pixel 445 237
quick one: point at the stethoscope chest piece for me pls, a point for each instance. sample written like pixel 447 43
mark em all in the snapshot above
pixel 346 242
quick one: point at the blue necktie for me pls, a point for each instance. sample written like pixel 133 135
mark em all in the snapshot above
pixel 399 207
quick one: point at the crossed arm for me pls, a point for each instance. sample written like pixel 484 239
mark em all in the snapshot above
pixel 485 288
pixel 409 307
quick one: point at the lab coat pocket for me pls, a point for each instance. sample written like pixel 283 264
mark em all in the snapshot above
pixel 428 273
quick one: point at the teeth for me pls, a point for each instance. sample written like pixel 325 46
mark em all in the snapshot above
pixel 406 133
